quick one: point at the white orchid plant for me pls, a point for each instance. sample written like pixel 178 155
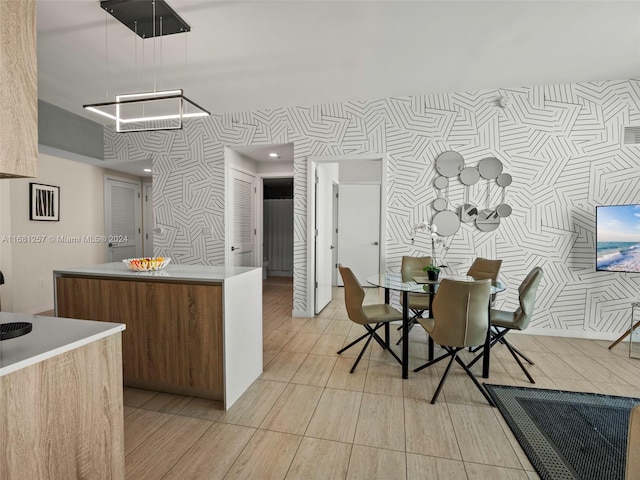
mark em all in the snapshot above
pixel 432 230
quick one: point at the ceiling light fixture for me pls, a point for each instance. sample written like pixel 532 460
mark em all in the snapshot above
pixel 273 155
pixel 147 169
pixel 154 110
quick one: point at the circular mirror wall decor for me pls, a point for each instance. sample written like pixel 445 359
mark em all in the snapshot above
pixel 490 168
pixel 469 175
pixel 441 182
pixel 504 180
pixel 447 223
pixel 439 204
pixel 503 210
pixel 449 164
pixel 468 213
pixel 487 220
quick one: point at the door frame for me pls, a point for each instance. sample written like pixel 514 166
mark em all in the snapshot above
pixel 312 161
pixel 336 241
pixel 107 210
pixel 147 218
pixel 228 212
pixel 326 177
pixel 260 208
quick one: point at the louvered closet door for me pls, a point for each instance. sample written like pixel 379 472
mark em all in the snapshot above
pixel 122 220
pixel 243 225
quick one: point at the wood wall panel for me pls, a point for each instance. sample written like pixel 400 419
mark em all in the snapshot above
pixel 64 416
pixel 173 340
pixel 18 89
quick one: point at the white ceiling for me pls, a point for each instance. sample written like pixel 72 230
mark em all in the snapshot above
pixel 265 54
pixel 261 153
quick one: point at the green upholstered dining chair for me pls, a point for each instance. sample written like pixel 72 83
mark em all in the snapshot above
pixel 502 322
pixel 482 268
pixel 418 302
pixel 632 467
pixel 460 320
pixel 371 317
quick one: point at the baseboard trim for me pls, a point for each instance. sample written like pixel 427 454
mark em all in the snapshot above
pixel 300 313
pixel 554 332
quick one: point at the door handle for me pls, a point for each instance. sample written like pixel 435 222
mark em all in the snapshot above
pixel 233 248
pixel 111 245
pixel 375 243
pixel 331 247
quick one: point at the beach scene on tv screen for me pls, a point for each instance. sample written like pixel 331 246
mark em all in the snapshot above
pixel 618 238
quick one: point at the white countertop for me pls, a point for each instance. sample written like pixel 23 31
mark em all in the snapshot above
pixel 49 337
pixel 192 273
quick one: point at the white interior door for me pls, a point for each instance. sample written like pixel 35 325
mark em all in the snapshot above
pixel 359 229
pixel 242 228
pixel 147 220
pixel 123 230
pixel 326 175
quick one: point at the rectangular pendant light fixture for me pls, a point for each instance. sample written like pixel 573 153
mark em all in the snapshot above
pixel 148 111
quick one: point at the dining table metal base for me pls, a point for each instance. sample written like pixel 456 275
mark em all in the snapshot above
pixel 395 282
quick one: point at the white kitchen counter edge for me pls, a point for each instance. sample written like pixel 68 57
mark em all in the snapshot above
pixel 27 362
pixel 171 273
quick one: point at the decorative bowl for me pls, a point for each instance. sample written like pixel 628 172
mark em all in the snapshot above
pixel 146 264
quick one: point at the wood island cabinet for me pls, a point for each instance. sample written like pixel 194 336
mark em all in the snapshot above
pixel 174 331
pixel 196 330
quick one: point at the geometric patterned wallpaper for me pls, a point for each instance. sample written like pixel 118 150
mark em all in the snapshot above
pixel 560 143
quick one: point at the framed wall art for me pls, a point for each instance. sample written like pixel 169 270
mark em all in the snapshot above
pixel 44 201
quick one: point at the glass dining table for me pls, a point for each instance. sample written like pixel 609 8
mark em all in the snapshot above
pixel 395 281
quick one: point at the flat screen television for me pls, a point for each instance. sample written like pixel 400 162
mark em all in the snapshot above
pixel 618 238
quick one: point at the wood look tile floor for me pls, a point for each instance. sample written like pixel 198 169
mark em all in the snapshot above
pixel 308 418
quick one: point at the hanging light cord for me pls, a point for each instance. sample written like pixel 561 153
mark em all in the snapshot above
pixel 106 52
pixel 135 47
pixel 161 70
pixel 154 45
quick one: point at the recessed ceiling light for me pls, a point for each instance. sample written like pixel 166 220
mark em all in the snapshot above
pixel 147 169
pixel 273 155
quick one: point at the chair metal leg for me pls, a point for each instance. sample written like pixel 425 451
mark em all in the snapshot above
pixel 353 343
pixel 371 334
pixel 522 355
pixel 477 383
pixel 500 334
pixel 381 342
pixel 495 331
pixel 526 372
pixel 431 362
pixel 497 337
pixel 412 322
pixel 453 353
pixel 353 368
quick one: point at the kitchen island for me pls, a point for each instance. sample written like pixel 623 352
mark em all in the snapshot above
pixel 191 329
pixel 61 408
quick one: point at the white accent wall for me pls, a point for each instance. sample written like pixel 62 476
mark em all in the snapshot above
pixel 31 250
pixel 561 144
